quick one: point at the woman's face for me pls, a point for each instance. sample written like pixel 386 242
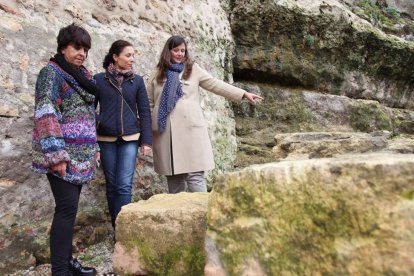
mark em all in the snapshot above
pixel 178 54
pixel 126 58
pixel 75 55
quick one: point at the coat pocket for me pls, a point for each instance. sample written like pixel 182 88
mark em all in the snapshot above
pixel 195 115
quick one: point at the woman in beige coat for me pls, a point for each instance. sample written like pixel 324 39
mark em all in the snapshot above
pixel 181 145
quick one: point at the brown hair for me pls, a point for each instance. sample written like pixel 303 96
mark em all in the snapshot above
pixel 116 48
pixel 165 58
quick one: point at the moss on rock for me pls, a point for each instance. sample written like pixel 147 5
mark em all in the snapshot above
pixel 294 45
pixel 369 116
pixel 163 235
pixel 316 217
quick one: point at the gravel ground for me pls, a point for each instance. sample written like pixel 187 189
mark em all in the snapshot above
pixel 98 256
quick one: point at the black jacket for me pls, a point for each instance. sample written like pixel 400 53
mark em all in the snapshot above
pixel 119 106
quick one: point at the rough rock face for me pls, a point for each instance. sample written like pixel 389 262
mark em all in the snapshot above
pixel 308 145
pixel 287 110
pixel 321 45
pixel 404 6
pixel 28 31
pixel 163 236
pixel 348 215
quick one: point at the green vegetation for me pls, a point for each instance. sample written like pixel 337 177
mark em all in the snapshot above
pixel 183 260
pixel 409 194
pixel 309 40
pixel 307 219
pixel 378 15
pixel 369 116
pixel 301 225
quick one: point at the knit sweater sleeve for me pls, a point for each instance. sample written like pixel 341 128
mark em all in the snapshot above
pixel 48 116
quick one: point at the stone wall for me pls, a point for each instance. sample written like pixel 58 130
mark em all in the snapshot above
pixel 28 31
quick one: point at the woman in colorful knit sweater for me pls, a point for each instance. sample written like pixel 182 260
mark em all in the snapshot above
pixel 64 139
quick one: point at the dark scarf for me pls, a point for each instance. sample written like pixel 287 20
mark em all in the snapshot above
pixel 171 93
pixel 81 76
pixel 119 75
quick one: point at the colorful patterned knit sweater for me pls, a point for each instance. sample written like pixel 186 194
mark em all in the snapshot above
pixel 64 125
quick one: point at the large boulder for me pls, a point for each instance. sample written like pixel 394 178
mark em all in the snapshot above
pixel 163 235
pixel 343 216
pixel 324 45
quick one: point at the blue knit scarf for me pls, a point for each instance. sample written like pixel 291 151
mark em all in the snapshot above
pixel 171 93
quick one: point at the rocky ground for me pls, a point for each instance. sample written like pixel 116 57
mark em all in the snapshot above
pixel 98 256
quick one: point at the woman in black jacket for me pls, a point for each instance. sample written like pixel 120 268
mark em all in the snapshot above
pixel 123 123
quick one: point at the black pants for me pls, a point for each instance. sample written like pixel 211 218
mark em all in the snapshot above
pixel 61 233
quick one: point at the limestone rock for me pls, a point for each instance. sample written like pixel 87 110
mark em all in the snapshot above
pixel 287 110
pixel 351 215
pixel 307 145
pixel 403 6
pixel 10 10
pixel 402 144
pixel 8 111
pixel 163 235
pixel 322 45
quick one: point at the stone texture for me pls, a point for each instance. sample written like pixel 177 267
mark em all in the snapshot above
pixel 309 145
pixel 402 144
pixel 163 235
pixel 7 111
pixel 351 215
pixel 322 45
pixel 403 6
pixel 287 110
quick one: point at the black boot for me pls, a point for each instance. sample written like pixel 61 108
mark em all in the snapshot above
pixel 79 270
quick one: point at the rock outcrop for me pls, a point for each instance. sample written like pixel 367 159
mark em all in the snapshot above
pixel 286 110
pixel 348 215
pixel 322 45
pixel 310 145
pixel 338 68
pixel 162 236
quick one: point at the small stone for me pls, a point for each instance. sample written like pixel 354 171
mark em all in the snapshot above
pixel 10 24
pixel 101 18
pixel 6 183
pixel 11 10
pixel 8 111
pixel 24 62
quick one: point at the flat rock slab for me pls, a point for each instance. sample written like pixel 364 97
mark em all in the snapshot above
pixel 307 145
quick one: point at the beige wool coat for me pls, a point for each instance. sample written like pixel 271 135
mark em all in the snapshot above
pixel 184 146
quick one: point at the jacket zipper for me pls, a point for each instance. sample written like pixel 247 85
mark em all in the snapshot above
pixel 122 106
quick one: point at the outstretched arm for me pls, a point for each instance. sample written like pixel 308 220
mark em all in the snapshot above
pixel 224 89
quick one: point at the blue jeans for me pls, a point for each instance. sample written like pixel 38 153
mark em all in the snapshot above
pixel 118 163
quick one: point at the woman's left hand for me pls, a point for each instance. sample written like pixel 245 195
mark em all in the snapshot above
pixel 145 150
pixel 97 159
pixel 252 98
